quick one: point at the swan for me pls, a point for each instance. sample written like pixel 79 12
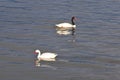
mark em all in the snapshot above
pixel 66 26
pixel 47 56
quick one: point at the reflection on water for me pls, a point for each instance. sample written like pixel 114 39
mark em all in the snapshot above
pixel 67 32
pixel 48 66
pixel 63 31
pixel 37 62
pixel 43 65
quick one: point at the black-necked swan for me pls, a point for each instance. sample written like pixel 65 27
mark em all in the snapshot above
pixel 67 26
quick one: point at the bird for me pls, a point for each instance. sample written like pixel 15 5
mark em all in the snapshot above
pixel 46 56
pixel 67 26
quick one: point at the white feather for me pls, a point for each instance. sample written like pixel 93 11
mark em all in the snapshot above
pixel 65 25
pixel 46 55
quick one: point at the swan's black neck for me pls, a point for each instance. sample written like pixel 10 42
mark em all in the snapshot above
pixel 72 20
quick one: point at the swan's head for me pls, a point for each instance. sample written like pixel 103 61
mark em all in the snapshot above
pixel 73 17
pixel 37 51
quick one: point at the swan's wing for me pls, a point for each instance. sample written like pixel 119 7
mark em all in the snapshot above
pixel 48 55
pixel 64 25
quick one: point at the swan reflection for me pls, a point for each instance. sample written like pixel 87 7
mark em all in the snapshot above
pixel 65 32
pixel 37 62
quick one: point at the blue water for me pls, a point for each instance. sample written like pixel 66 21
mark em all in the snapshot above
pixel 93 53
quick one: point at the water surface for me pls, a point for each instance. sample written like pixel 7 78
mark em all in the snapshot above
pixel 93 53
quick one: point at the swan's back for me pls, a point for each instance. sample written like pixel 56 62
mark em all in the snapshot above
pixel 48 55
pixel 66 25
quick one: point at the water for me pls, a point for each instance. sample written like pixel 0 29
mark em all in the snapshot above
pixel 93 53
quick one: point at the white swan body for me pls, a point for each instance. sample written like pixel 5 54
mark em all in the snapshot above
pixel 45 56
pixel 66 26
